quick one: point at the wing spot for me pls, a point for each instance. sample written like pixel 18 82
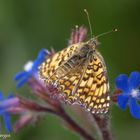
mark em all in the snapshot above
pixel 102 100
pixel 108 98
pixel 67 92
pixel 95 67
pixel 71 87
pixel 87 100
pixel 86 90
pixel 93 111
pixel 97 101
pixel 95 107
pixel 67 83
pixel 91 104
pixel 80 90
pixel 90 81
pixel 99 76
pixel 107 104
pixel 83 83
pixel 104 105
pixel 100 106
pixel 97 91
pixel 82 97
pixel 94 98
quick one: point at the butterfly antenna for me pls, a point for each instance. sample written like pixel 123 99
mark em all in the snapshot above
pixel 113 30
pixel 89 22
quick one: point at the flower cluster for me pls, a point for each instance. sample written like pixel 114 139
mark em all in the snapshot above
pixel 4 103
pixel 15 105
pixel 31 68
pixel 130 95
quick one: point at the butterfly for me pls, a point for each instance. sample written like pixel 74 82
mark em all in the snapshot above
pixel 80 75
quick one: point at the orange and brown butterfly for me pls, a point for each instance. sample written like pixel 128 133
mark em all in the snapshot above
pixel 79 73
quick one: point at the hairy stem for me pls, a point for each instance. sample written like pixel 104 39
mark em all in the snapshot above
pixel 74 126
pixel 104 126
pixel 71 123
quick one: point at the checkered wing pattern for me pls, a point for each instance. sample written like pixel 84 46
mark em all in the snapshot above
pixel 80 80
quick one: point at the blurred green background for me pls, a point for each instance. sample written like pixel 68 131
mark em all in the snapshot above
pixel 26 26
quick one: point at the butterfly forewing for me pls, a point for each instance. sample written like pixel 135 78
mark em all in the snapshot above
pixel 48 69
pixel 66 85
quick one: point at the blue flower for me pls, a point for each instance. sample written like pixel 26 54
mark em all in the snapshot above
pixel 3 113
pixel 30 68
pixel 130 95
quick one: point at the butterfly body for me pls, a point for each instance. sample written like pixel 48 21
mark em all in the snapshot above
pixel 79 73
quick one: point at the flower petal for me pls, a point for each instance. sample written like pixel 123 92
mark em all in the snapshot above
pixel 123 101
pixel 11 95
pixel 7 120
pixel 122 82
pixel 19 75
pixel 41 57
pixel 9 103
pixel 1 96
pixel 31 68
pixel 2 110
pixel 42 54
pixel 134 108
pixel 22 82
pixel 134 80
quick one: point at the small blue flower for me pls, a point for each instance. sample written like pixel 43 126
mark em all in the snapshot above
pixel 30 68
pixel 3 113
pixel 130 95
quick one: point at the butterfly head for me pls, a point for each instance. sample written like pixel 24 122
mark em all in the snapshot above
pixel 93 42
pixel 89 46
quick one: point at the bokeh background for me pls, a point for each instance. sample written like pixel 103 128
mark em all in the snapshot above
pixel 26 26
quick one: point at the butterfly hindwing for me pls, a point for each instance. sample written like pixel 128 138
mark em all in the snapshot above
pixel 93 91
